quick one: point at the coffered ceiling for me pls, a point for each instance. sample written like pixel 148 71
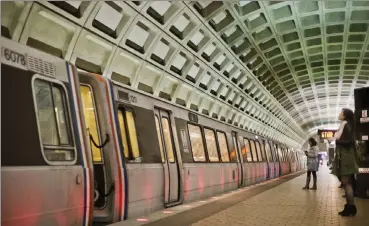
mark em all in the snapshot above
pixel 281 69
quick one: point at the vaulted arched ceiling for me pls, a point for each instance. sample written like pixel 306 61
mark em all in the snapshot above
pixel 310 55
pixel 281 69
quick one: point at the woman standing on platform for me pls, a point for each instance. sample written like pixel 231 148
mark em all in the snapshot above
pixel 345 165
pixel 312 163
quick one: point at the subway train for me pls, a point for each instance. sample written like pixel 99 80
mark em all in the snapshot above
pixel 79 148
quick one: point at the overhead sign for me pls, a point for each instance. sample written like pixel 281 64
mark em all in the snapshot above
pixel 325 134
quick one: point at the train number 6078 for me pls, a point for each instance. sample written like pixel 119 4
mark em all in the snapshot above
pixel 14 57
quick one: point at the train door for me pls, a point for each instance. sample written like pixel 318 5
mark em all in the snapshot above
pixel 168 156
pixel 93 129
pixel 298 159
pixel 287 160
pixel 272 163
pixel 290 159
pixel 273 157
pixel 103 149
pixel 278 159
pixel 238 154
pixel 267 158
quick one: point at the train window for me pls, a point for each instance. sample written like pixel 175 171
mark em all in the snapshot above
pixel 268 152
pixel 222 141
pixel 286 154
pixel 268 148
pixel 167 132
pixel 158 132
pixel 132 134
pixel 259 151
pixel 253 150
pixel 197 143
pixel 53 121
pixel 280 155
pixel 61 120
pixel 283 154
pixel 232 153
pixel 291 156
pixel 235 149
pixel 272 150
pixel 248 150
pixel 243 147
pixel 129 135
pixel 122 133
pixel 211 145
pixel 89 111
pixel 263 151
pixel 276 153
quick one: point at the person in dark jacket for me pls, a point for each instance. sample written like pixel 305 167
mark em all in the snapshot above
pixel 345 163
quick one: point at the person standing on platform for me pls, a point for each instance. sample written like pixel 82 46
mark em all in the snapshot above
pixel 312 163
pixel 320 159
pixel 345 162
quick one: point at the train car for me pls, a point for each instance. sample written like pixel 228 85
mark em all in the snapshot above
pixel 100 152
pixel 45 176
pixel 275 155
pixel 273 161
pixel 302 160
pixel 106 152
pixel 192 156
pixel 285 164
pixel 299 160
pixel 293 160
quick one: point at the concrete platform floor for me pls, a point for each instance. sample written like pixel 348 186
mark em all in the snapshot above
pixel 275 202
pixel 288 204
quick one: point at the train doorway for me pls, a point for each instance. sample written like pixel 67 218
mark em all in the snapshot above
pixel 168 155
pixel 238 154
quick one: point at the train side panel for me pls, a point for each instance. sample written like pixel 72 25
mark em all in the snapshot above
pixel 42 176
pixel 42 195
pixel 204 179
pixel 145 188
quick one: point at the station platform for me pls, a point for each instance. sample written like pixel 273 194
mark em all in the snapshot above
pixel 276 202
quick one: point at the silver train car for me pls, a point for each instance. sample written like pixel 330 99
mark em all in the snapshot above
pixel 78 148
